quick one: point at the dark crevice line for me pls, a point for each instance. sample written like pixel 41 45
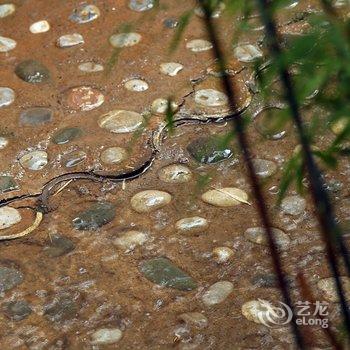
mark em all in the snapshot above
pixel 242 139
pixel 325 213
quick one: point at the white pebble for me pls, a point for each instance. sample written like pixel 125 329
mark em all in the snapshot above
pixel 199 45
pixel 90 67
pixel 257 235
pixel 247 53
pixel 70 40
pixel 39 27
pixel 149 200
pixel 35 160
pixel 7 96
pixel 7 10
pixel 160 106
pixel 8 217
pixel 130 239
pixel 222 254
pixel 7 44
pixel 124 39
pixel 217 293
pixel 136 85
pixel 114 155
pixel 293 205
pixel 106 336
pixel 120 121
pixel 175 173
pixel 3 142
pixel 171 68
pixel 225 197
pixel 210 98
pixel 192 224
pixel 258 311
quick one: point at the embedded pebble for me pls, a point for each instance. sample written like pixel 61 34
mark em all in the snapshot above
pixel 62 308
pixel 210 98
pixel 257 310
pixel 222 254
pixel 270 123
pixel 9 278
pixel 329 290
pixel 257 235
pixel 85 13
pixel 35 160
pixel 149 200
pixel 175 173
pixel 7 10
pixel 74 158
pixel 264 280
pixel 70 40
pixel 36 116
pixel 17 310
pixel 217 293
pixel 163 272
pixel 171 68
pixel 3 143
pixel 8 217
pixel 32 71
pixel 66 135
pixel 130 240
pixel 194 223
pixel 90 67
pixel 7 44
pixel 124 39
pixel 199 45
pixel 7 96
pixel 339 125
pixel 215 13
pixel 209 149
pixel 39 27
pixel 194 319
pixel 225 197
pixel 59 245
pixel 96 216
pixel 247 53
pixel 161 105
pixel 293 205
pixel 170 23
pixel 7 183
pixel 114 155
pixel 136 85
pixel 84 98
pixel 264 168
pixel 141 5
pixel 120 121
pixel 106 336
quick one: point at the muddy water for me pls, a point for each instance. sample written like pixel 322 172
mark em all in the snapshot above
pixel 75 283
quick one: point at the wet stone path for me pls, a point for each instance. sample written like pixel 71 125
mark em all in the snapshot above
pixel 175 258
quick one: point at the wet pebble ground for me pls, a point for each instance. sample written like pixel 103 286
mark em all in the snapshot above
pixel 177 257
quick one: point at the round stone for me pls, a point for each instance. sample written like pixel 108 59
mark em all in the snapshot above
pixel 36 116
pixel 209 149
pixel 59 245
pixel 195 223
pixel 32 71
pixel 114 155
pixel 258 311
pixel 66 135
pixel 171 68
pixel 7 96
pixel 217 293
pixel 8 217
pixel 69 40
pixel 271 124
pixel 247 53
pixel 9 278
pixel 199 45
pixel 225 197
pixel 129 240
pixel 7 10
pixel 124 39
pixel 90 67
pixel 120 121
pixel 170 23
pixel 74 158
pixel 3 142
pixel 264 168
pixel 17 310
pixel 339 125
pixel 35 160
pixel 329 289
pixel 106 336
pixel 194 319
pixel 85 13
pixel 175 173
pixel 149 200
pixel 141 5
pixel 7 183
pixel 7 44
pixel 84 98
pixel 222 254
pixel 257 235
pixel 39 27
pixel 160 106
pixel 136 85
pixel 210 98
pixel 293 205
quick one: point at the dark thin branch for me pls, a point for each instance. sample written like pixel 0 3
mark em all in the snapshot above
pixel 329 228
pixel 242 139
